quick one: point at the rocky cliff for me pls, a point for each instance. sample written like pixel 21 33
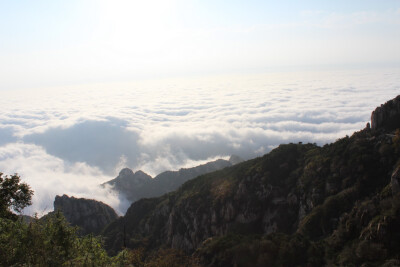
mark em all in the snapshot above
pixel 89 215
pixel 299 205
pixel 387 116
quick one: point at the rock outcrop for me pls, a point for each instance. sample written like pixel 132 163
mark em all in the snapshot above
pixel 89 215
pixel 387 116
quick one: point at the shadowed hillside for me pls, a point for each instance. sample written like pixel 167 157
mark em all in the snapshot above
pixel 298 205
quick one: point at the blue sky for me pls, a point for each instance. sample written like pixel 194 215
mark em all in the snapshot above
pixel 56 43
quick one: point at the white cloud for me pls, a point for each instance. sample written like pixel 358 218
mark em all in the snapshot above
pixel 49 176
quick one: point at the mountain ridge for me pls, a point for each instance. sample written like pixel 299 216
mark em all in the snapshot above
pixel 137 185
pixel 293 206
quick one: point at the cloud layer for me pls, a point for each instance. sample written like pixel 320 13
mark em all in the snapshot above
pixel 69 140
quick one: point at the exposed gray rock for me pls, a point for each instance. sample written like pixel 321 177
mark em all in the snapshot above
pixel 89 215
pixel 387 116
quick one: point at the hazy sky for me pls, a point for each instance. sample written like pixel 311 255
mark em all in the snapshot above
pixel 50 42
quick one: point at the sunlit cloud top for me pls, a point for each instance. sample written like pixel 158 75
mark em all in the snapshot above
pixel 46 43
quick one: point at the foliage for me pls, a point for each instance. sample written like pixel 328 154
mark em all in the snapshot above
pixel 53 242
pixel 14 195
pixel 49 242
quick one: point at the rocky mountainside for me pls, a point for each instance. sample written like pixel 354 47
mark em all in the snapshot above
pixel 299 205
pixel 141 185
pixel 89 215
pixel 387 116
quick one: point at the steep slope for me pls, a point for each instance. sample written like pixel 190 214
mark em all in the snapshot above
pixel 140 185
pixel 89 215
pixel 233 199
pixel 298 205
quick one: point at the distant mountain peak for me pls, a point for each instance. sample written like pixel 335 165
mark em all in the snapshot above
pixel 128 174
pixel 125 172
pixel 128 180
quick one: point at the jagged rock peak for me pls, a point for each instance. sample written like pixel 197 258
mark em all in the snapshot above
pixel 128 173
pixel 387 116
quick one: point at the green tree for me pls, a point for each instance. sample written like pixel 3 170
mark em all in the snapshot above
pixel 14 196
pixel 49 241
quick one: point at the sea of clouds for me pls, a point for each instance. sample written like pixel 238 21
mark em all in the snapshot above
pixel 69 140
